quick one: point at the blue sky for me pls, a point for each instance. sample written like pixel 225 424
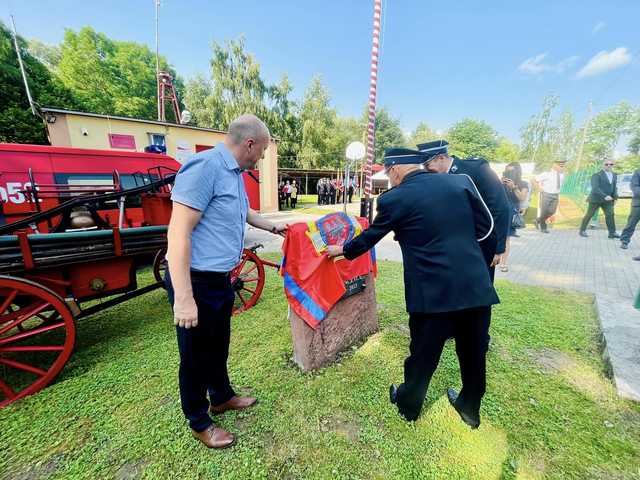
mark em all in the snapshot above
pixel 440 61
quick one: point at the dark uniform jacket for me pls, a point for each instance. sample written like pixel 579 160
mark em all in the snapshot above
pixel 492 191
pixel 635 189
pixel 437 220
pixel 601 187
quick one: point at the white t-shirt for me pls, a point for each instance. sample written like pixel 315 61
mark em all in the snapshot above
pixel 551 181
pixel 609 176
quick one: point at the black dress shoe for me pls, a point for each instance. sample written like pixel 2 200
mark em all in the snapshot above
pixel 637 259
pixel 584 234
pixel 624 245
pixel 614 235
pixel 393 394
pixel 471 420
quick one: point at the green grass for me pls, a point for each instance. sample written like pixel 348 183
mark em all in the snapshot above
pixel 308 204
pixel 114 411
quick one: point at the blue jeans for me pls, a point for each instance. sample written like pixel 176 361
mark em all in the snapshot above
pixel 204 349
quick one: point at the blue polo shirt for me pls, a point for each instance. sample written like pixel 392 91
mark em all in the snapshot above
pixel 211 182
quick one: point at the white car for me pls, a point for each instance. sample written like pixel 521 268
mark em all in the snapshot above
pixel 624 185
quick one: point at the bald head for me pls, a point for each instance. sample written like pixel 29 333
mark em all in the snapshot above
pixel 248 127
pixel 248 138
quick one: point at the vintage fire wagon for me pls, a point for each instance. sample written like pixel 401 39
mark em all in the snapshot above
pixel 76 225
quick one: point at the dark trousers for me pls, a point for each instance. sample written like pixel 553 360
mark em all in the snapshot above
pixel 632 221
pixel 607 208
pixel 294 201
pixel 429 332
pixel 287 197
pixel 548 207
pixel 205 348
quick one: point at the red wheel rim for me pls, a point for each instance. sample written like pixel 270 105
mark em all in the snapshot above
pixel 37 334
pixel 248 281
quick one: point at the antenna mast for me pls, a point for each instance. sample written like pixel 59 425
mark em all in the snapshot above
pixel 158 62
pixel 24 75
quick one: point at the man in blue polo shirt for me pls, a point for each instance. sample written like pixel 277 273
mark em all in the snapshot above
pixel 206 238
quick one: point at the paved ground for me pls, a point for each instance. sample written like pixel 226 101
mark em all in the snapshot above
pixel 561 259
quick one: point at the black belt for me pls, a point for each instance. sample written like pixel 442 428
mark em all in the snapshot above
pixel 203 275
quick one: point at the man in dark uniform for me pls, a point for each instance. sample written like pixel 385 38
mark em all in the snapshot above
pixel 438 220
pixel 492 191
pixel 490 188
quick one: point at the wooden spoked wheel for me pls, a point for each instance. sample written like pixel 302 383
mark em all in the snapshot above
pixel 247 280
pixel 37 335
pixel 160 265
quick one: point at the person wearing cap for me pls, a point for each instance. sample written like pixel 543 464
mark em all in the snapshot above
pixel 549 183
pixel 604 193
pixel 488 184
pixel 437 160
pixel 438 220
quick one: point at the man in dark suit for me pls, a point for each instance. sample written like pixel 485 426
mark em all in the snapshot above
pixel 492 192
pixel 604 193
pixel 490 188
pixel 438 221
pixel 634 215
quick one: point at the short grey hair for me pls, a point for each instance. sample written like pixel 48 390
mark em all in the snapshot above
pixel 248 126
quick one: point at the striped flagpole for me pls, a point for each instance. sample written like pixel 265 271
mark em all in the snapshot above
pixel 371 127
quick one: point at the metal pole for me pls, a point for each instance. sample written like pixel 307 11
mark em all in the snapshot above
pixel 24 75
pixel 371 127
pixel 158 61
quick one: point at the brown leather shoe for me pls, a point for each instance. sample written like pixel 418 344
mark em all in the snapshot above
pixel 214 437
pixel 235 403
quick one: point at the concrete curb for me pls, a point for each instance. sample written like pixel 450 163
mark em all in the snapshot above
pixel 620 330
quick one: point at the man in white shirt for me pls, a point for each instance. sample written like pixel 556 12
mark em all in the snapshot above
pixel 549 183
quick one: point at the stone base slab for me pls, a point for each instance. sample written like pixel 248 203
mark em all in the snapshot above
pixel 349 322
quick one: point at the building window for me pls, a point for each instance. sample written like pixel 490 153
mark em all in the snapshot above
pixel 157 139
pixel 122 141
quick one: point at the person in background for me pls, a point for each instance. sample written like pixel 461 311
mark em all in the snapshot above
pixel 549 184
pixel 517 192
pixel 281 195
pixel 294 194
pixel 287 193
pixel 350 190
pixel 604 193
pixel 319 189
pixel 332 192
pixel 205 242
pixel 634 214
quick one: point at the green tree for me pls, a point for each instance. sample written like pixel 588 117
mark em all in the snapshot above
pixel 236 87
pixel 470 137
pixel 388 132
pixel 606 129
pixel 47 54
pixel 423 133
pixel 17 123
pixel 112 77
pixel 536 135
pixel 507 151
pixel 318 121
